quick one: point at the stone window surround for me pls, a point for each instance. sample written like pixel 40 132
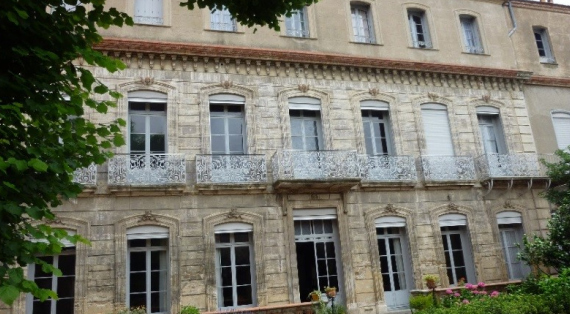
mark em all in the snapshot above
pixel 479 22
pixel 258 237
pixel 506 117
pixel 372 13
pixel 430 24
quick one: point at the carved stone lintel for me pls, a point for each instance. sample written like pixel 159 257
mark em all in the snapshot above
pixel 148 216
pixel 486 98
pixel 233 214
pixel 227 84
pixel 147 80
pixel 390 208
pixel 452 206
pixel 304 88
pixel 374 91
pixel 433 96
pixel 508 204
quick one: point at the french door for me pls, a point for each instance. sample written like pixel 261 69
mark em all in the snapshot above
pixel 395 266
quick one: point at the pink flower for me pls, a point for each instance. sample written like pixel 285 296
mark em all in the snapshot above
pixel 494 294
pixel 483 292
pixel 468 286
pixel 456 294
pixel 475 292
pixel 474 287
pixel 465 301
pixel 448 291
pixel 481 285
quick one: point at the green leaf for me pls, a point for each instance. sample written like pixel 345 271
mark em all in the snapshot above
pixel 38 165
pixel 8 294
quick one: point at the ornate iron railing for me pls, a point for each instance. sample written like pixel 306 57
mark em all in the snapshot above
pixel 315 165
pixel 508 166
pixel 86 176
pixel 231 169
pixel 387 168
pixel 147 169
pixel 448 168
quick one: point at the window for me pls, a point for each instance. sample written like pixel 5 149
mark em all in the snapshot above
pixel 147 122
pixel 510 228
pixel 318 251
pixel 234 268
pixel 64 286
pixel 471 38
pixel 297 25
pixel 456 248
pixel 561 123
pixel 419 29
pixel 436 130
pixel 227 124
pixel 395 259
pixel 543 45
pixel 491 130
pixel 221 20
pixel 148 12
pixel 376 125
pixel 362 26
pixel 147 268
pixel 306 132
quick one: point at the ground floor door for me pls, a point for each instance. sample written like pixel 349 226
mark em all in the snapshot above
pixel 395 266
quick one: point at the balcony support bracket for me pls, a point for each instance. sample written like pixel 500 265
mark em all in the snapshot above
pixel 489 185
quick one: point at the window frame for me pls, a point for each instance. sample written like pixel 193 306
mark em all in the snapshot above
pixel 225 116
pixel 317 119
pixel 386 122
pixel 542 32
pixel 148 115
pixel 156 20
pixel 497 125
pixel 298 18
pixel 472 42
pixel 426 30
pixel 358 31
pixel 222 14
pixel 466 251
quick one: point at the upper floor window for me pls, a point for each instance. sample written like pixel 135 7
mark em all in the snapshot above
pixel 297 25
pixel 491 130
pixel 221 20
pixel 148 12
pixel 227 124
pixel 306 130
pixel 362 26
pixel 471 38
pixel 419 28
pixel 147 268
pixel 561 123
pixel 147 122
pixel 436 130
pixel 543 45
pixel 376 125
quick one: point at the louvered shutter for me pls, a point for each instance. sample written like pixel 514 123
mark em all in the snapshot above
pixel 148 11
pixel 561 122
pixel 436 130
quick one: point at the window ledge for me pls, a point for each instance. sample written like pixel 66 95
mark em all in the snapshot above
pixel 369 44
pixel 298 37
pixel 154 25
pixel 427 49
pixel 222 31
pixel 549 64
pixel 484 54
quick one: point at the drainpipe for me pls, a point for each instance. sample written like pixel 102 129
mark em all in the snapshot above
pixel 512 14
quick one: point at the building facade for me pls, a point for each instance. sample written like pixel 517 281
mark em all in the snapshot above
pixel 402 139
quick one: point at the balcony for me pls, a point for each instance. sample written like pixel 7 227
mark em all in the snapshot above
pixel 510 168
pixel 315 171
pixel 391 170
pixel 458 170
pixel 230 170
pixel 86 176
pixel 147 170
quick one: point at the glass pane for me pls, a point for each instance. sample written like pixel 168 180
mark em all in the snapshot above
pixel 137 142
pixel 158 280
pixel 235 126
pixel 218 144
pixel 305 227
pixel 296 127
pixel 156 107
pixel 322 267
pixel 66 264
pixel 137 243
pixel 328 226
pixel 226 276
pixel 461 272
pixel 297 142
pixel 157 125
pixel 227 297
pixel 450 276
pixel 137 106
pixel 217 126
pixel 333 282
pixel 332 266
pixel 225 256
pixel 158 302
pixel 320 250
pixel 138 124
pixel 381 247
pixel 157 260
pixel 38 268
pixel 42 307
pixel 317 226
pixel 241 237
pixel 444 240
pixel 297 228
pixel 294 113
pixel 244 295
pixel 458 258
pixel 223 238
pixel 311 143
pixel 310 113
pixel 397 280
pixel 138 261
pixel 64 306
pixel 137 300
pixel 310 127
pixel 242 255
pixel 43 283
pixel 66 287
pixel 455 241
pixel 236 144
pixel 386 282
pixel 157 143
pixel 216 108
pixel 243 275
pixel 330 250
pixel 137 282
pixel 158 242
pixel 384 264
pixel 235 108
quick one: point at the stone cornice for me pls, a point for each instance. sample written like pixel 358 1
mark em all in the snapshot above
pixel 549 81
pixel 541 6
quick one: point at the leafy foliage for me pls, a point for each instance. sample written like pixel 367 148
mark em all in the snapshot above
pixel 189 309
pixel 554 249
pixel 421 302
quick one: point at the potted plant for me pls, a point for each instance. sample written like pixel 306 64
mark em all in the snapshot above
pixel 315 296
pixel 431 281
pixel 330 291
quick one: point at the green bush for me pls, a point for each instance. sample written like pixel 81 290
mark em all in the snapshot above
pixel 421 302
pixel 189 309
pixel 134 310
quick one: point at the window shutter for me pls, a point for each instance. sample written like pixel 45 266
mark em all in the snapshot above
pixel 148 11
pixel 147 96
pixel 561 122
pixel 147 232
pixel 390 221
pixel 451 220
pixel 505 218
pixel 373 105
pixel 227 99
pixel 304 103
pixel 311 214
pixel 233 227
pixel 436 130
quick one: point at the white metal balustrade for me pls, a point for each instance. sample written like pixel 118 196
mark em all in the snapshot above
pixel 387 168
pixel 448 168
pixel 495 166
pixel 86 176
pixel 315 165
pixel 231 169
pixel 147 169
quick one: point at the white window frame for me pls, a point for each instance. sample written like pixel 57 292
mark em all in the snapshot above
pixel 361 15
pixel 297 25
pixel 488 118
pixel 228 101
pixel 444 141
pixel 147 98
pixel 561 125
pixel 465 250
pixel 368 122
pixel 231 229
pixel 222 20
pixel 471 36
pixel 304 104
pixel 149 12
pixel 509 221
pixel 149 233
pixel 426 43
pixel 541 38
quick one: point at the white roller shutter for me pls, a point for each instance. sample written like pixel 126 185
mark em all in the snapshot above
pixel 561 122
pixel 233 227
pixel 147 232
pixel 311 214
pixel 373 105
pixel 451 220
pixel 227 99
pixel 390 221
pixel 304 103
pixel 436 130
pixel 506 218
pixel 149 9
pixel 147 96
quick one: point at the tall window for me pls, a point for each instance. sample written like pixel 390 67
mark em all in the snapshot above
pixel 147 122
pixel 561 123
pixel 457 248
pixel 221 20
pixel 318 251
pixel 227 124
pixel 436 130
pixel 235 271
pixel 491 130
pixel 419 29
pixel 376 125
pixel 543 45
pixel 147 268
pixel 297 24
pixel 362 26
pixel 148 12
pixel 510 228
pixel 64 285
pixel 306 131
pixel 471 37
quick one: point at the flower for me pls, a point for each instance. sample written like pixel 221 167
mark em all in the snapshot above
pixel 483 292
pixel 494 294
pixel 481 285
pixel 475 292
pixel 448 291
pixel 468 286
pixel 474 287
pixel 456 294
pixel 465 301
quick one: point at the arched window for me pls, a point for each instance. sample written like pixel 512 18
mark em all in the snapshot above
pixel 227 124
pixel 306 129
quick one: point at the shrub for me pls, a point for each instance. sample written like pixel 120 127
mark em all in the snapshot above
pixel 421 302
pixel 189 309
pixel 134 310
